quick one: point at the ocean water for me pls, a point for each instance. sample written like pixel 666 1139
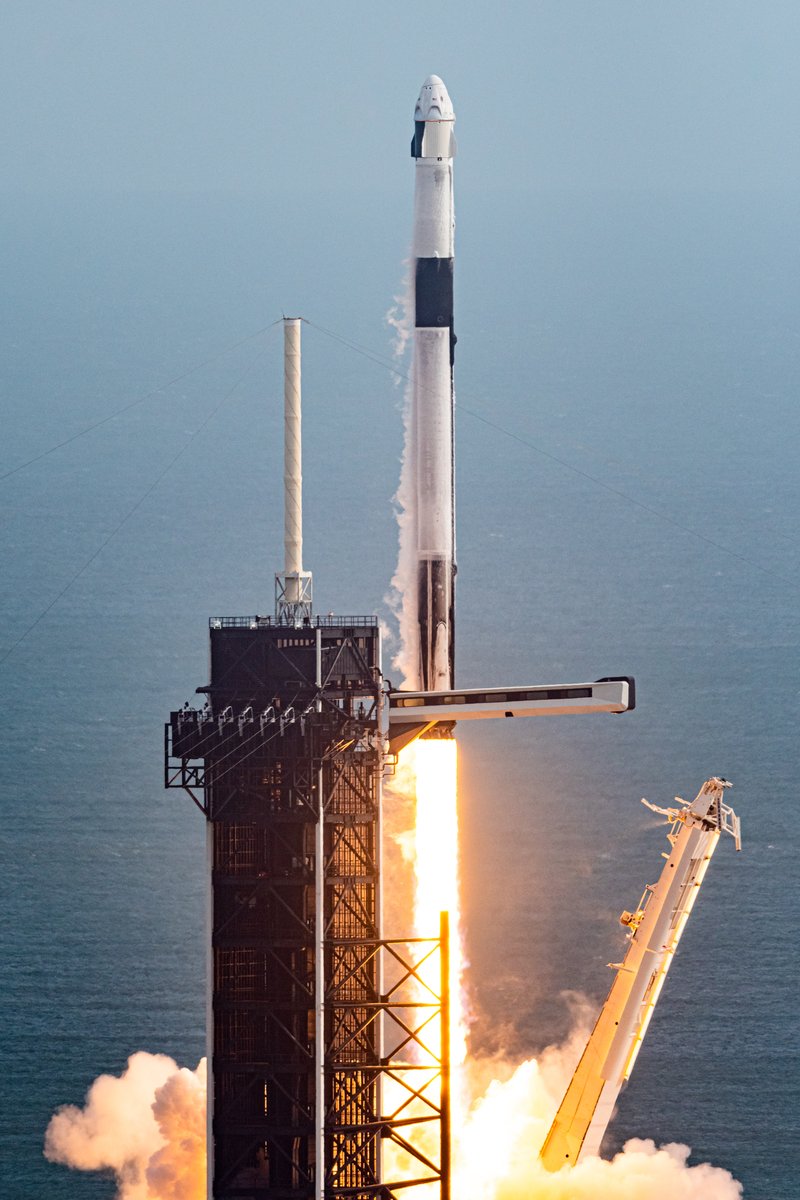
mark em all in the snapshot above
pixel 631 507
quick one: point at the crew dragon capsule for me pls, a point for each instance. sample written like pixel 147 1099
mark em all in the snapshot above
pixel 433 148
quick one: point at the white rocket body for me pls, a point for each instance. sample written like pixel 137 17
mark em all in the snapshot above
pixel 433 148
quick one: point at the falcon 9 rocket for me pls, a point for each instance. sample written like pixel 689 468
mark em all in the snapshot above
pixel 433 148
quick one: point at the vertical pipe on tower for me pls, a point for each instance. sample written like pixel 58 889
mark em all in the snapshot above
pixel 292 461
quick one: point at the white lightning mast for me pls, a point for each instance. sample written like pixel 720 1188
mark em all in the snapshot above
pixel 656 927
pixel 292 588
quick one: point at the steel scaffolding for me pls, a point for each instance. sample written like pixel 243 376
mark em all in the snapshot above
pixel 285 760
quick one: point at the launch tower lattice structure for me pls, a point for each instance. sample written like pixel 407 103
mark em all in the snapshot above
pixel 285 760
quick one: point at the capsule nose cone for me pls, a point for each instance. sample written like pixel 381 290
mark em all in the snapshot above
pixel 434 103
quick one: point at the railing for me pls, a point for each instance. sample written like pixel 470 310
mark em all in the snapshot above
pixel 256 622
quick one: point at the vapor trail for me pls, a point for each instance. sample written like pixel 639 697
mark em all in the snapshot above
pixel 402 598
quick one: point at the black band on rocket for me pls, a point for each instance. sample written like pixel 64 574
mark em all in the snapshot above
pixel 434 292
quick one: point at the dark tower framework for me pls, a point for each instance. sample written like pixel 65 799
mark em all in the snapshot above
pixel 291 732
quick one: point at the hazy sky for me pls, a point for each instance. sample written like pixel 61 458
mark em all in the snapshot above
pixel 245 95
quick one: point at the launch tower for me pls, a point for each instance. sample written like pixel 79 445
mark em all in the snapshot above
pixel 289 731
pixel 285 758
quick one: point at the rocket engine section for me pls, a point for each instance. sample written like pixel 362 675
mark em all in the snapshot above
pixel 433 148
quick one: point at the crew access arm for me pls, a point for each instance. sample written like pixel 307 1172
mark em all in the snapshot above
pixel 656 927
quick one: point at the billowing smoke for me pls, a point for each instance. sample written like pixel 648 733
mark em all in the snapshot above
pixel 642 1171
pixel 496 1155
pixel 147 1126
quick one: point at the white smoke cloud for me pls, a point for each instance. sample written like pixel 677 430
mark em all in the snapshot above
pixel 641 1171
pixel 496 1153
pixel 147 1126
